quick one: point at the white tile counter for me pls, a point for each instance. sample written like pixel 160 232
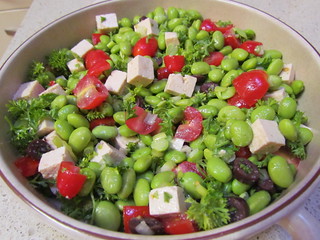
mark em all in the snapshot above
pixel 19 221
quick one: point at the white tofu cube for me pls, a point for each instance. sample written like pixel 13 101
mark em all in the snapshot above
pixel 56 89
pixel 106 22
pixel 50 162
pixel 121 142
pixel 140 71
pixel 278 95
pixel 167 200
pixel 146 27
pixel 179 85
pixel 106 152
pixel 45 127
pixel 76 65
pixel 266 137
pixel 171 38
pixel 116 82
pixel 53 140
pixel 82 48
pixel 29 90
pixel 287 73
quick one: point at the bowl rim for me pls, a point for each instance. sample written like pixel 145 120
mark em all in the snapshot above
pixel 288 201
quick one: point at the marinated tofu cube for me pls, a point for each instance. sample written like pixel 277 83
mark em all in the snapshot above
pixel 140 71
pixel 266 137
pixel 146 27
pixel 107 153
pixel 29 90
pixel 121 142
pixel 179 85
pixel 116 82
pixel 56 89
pixel 75 66
pixel 106 22
pixel 278 95
pixel 287 73
pixel 167 200
pixel 50 162
pixel 171 38
pixel 82 48
pixel 46 126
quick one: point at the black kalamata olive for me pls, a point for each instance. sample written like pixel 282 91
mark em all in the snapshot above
pixel 140 102
pixel 200 79
pixel 37 147
pixel 207 87
pixel 142 18
pixel 245 171
pixel 239 208
pixel 146 226
pixel 265 183
pixel 158 60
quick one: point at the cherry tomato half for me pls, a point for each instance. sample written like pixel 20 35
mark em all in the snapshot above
pixel 96 38
pixel 174 63
pixel 90 92
pixel 27 166
pixel 231 39
pixel 214 58
pixel 178 224
pixel 96 62
pixel 253 47
pixel 146 46
pixel 162 73
pixel 69 180
pixel 131 212
pixel 210 26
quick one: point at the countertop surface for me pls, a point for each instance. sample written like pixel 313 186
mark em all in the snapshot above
pixel 19 221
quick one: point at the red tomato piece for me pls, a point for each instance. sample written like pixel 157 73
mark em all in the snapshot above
pixel 146 46
pixel 69 180
pixel 90 92
pixel 231 39
pixel 144 123
pixel 94 56
pixel 174 63
pixel 131 212
pixel 214 58
pixel 96 38
pixel 253 47
pixel 210 26
pixel 51 83
pixel 97 69
pixel 108 121
pixel 178 224
pixel 251 86
pixel 237 101
pixel 162 73
pixel 192 128
pixel 189 167
pixel 27 166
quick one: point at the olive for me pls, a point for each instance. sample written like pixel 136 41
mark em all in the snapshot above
pixel 146 226
pixel 37 147
pixel 208 86
pixel 140 102
pixel 200 78
pixel 265 182
pixel 245 171
pixel 239 208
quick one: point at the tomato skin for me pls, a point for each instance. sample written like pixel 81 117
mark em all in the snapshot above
pixel 189 167
pixel 96 38
pixel 251 86
pixel 214 58
pixel 192 128
pixel 69 180
pixel 146 46
pixel 27 166
pixel 96 62
pixel 237 101
pixel 107 121
pixel 90 92
pixel 231 39
pixel 178 224
pixel 252 47
pixel 174 63
pixel 162 73
pixel 131 212
pixel 138 123
pixel 243 152
pixel 210 26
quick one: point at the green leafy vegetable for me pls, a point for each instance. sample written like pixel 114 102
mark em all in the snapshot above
pixel 58 60
pixel 39 72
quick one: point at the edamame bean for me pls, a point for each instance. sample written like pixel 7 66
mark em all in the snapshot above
pixel 141 152
pixel 192 33
pixel 280 172
pixel 249 64
pixel 115 49
pixel 175 155
pixel 218 103
pixel 208 111
pixel 148 175
pixel 274 54
pixel 141 192
pixel 142 164
pixel 120 117
pixel 210 140
pixel 224 92
pixel 125 22
pixel 59 102
pixel 106 215
pixel 288 129
pixel 202 35
pixel 239 187
pixel 77 120
pixel 263 112
pixel 63 129
pixel 79 139
pixel 176 114
pixel 184 102
pixel 200 68
pixel 105 132
pixel 274 82
pixel 275 67
pixel 66 110
pixel 288 89
pixel 158 86
pixel 192 184
pixel 160 142
pixel 228 78
pixel 127 162
pixel 111 180
pixel 218 40
pixel 89 183
pixel 182 30
pixel 287 108
pixel 198 143
pixel 239 54
pixel 297 86
pixel 72 99
pixel 174 22
pixel 161 41
pixel 125 48
pixel 163 179
pixel 146 139
pixel 229 64
pixel 230 112
pixel 305 135
pixel 121 203
pixel 125 131
pixel 128 183
pixel 152 100
pixel 215 75
pixel 241 133
pixel 258 201
pixel 172 13
pixel 219 169
pixel 195 155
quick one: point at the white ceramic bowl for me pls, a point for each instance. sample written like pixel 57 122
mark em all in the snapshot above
pixel 66 32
